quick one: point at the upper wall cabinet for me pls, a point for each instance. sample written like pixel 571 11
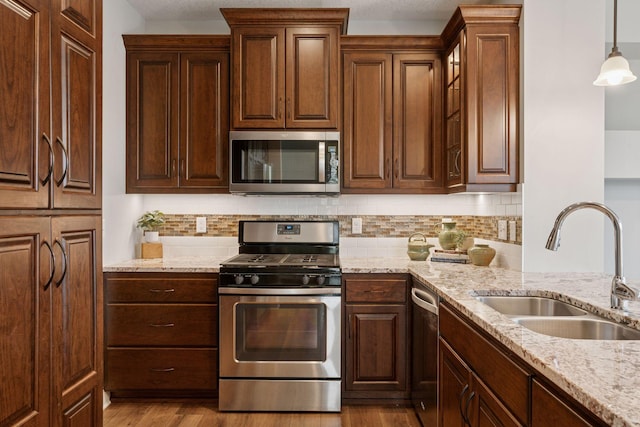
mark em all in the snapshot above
pixel 177 114
pixel 285 71
pixel 50 131
pixel 481 101
pixel 392 139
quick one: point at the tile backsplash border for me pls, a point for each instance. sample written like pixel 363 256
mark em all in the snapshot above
pixel 373 226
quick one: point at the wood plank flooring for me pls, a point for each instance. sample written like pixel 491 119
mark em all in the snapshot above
pixel 180 414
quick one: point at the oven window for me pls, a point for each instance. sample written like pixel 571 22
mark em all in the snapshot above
pixel 275 161
pixel 281 332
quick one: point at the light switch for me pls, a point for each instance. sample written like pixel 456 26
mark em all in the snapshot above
pixel 201 224
pixel 356 225
pixel 502 229
pixel 512 231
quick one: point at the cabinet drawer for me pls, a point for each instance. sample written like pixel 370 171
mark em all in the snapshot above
pixel 386 290
pixel 161 289
pixel 505 378
pixel 161 369
pixel 162 325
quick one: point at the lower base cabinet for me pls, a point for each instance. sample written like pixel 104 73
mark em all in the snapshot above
pixel 482 384
pixel 161 335
pixel 375 355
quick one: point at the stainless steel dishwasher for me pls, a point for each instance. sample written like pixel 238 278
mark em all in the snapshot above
pixel 424 389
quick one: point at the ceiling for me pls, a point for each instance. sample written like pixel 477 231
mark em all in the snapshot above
pixel 360 10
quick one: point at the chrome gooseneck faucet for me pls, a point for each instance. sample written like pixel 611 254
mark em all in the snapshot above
pixel 620 291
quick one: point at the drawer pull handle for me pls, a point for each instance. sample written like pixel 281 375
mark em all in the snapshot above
pixel 163 369
pixel 163 325
pixel 162 290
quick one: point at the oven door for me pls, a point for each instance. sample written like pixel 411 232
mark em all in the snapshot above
pixel 279 336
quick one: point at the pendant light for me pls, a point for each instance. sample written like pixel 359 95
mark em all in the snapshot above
pixel 615 70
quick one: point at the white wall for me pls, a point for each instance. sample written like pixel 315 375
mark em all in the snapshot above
pixel 118 209
pixel 622 148
pixel 563 132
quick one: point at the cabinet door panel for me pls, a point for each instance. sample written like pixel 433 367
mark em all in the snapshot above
pixel 152 120
pixel 312 77
pixel 77 315
pixel 76 82
pixel 548 409
pixel 417 121
pixel 204 120
pixel 454 384
pixel 24 322
pixel 367 134
pixel 82 13
pixel 75 141
pixel 376 358
pixel 258 86
pixel 24 153
pixel 492 104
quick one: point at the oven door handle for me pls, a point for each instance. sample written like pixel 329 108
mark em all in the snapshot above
pixel 423 300
pixel 279 291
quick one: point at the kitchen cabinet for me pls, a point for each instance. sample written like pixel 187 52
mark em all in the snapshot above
pixel 549 408
pixel 52 320
pixel 50 218
pixel 376 356
pixel 177 114
pixel 51 101
pixel 482 383
pixel 161 335
pixel 392 140
pixel 285 71
pixel 481 101
pixel 478 380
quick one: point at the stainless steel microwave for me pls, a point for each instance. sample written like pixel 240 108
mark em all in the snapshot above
pixel 284 162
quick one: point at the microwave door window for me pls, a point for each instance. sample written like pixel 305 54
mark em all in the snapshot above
pixel 279 161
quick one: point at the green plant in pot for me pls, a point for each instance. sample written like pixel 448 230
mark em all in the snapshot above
pixel 149 223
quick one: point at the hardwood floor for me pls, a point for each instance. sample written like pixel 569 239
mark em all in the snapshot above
pixel 179 414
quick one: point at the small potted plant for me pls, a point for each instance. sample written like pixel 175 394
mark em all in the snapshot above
pixel 149 223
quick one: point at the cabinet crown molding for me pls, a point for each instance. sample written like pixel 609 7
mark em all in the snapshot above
pixel 480 14
pixel 287 16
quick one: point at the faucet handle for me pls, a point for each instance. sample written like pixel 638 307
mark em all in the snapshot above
pixel 621 291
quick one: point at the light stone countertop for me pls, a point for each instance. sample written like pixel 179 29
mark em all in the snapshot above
pixel 602 375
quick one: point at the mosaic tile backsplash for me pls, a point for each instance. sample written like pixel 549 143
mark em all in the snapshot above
pixel 483 227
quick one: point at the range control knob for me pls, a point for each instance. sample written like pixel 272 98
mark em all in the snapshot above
pixel 239 278
pixel 321 280
pixel 255 279
pixel 305 280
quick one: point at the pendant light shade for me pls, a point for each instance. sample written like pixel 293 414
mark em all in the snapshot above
pixel 615 70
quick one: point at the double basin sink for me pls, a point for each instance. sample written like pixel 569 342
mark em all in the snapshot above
pixel 557 318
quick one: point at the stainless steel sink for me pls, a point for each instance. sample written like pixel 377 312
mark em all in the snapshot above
pixel 587 328
pixel 530 306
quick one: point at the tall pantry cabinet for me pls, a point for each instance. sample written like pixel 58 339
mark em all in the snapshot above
pixel 50 217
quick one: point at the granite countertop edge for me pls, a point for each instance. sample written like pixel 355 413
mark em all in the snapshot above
pixel 598 374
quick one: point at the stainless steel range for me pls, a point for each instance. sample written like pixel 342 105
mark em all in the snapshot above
pixel 280 318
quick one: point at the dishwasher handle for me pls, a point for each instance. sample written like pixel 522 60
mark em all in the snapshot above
pixel 424 300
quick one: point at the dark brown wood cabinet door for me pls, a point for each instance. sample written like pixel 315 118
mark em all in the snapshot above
pixel 77 321
pixel 24 320
pixel 376 356
pixel 486 410
pixel 152 120
pixel 26 154
pixel 76 79
pixel 548 409
pixel 492 57
pixel 454 383
pixel 417 121
pixel 204 120
pixel 312 77
pixel 258 84
pixel 367 135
